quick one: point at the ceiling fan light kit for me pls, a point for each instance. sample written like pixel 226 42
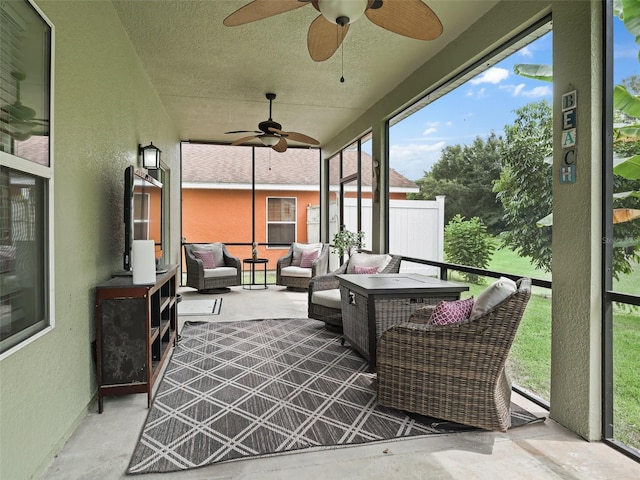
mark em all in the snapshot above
pixel 269 140
pixel 342 12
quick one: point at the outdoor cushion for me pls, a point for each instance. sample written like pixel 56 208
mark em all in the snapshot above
pixel 364 270
pixel 492 296
pixel 455 311
pixel 296 272
pixel 207 258
pixel 368 260
pixel 216 248
pixel 298 248
pixel 327 298
pixel 308 257
pixel 220 272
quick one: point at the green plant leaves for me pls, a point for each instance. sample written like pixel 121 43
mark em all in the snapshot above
pixel 535 72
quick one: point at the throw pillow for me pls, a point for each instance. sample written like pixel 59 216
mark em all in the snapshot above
pixel 492 296
pixel 380 261
pixel 216 248
pixel 298 248
pixel 447 313
pixel 308 257
pixel 365 270
pixel 207 258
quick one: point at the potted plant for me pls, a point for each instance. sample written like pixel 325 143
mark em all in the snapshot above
pixel 347 242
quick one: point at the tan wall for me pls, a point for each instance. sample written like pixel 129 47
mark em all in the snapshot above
pixel 104 105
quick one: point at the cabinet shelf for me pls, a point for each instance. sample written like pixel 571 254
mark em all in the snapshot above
pixel 136 327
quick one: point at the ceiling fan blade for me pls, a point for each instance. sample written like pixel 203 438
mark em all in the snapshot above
pixel 259 9
pixel 281 146
pixel 244 140
pixel 410 18
pixel 244 131
pixel 297 137
pixel 324 38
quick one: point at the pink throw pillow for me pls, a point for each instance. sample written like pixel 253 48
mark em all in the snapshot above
pixel 207 258
pixel 308 257
pixel 447 313
pixel 365 270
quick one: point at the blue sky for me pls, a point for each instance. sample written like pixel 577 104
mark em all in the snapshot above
pixel 486 103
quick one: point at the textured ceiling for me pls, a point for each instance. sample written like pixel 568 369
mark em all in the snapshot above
pixel 212 78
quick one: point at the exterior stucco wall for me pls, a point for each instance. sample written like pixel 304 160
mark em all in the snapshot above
pixel 104 105
pixel 225 216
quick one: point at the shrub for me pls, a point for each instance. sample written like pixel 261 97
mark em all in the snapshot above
pixel 466 242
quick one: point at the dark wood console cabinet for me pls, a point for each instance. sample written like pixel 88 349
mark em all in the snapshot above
pixel 136 327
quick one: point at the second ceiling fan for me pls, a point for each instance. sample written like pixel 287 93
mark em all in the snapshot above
pixel 270 133
pixel 410 18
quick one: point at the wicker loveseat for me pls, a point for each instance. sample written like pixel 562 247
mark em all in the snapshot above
pixel 226 272
pixel 454 372
pixel 291 273
pixel 324 291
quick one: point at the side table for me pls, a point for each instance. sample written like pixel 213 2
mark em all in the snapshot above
pixel 252 262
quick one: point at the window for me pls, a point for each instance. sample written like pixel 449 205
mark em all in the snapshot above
pixel 26 175
pixel 281 220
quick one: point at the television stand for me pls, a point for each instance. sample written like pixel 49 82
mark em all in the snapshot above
pixel 160 270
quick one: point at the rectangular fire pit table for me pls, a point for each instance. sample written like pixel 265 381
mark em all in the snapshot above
pixel 373 303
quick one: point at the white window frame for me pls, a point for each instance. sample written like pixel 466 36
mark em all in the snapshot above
pixel 46 173
pixel 268 222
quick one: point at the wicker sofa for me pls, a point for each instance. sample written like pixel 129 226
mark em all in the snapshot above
pixel 291 274
pixel 324 293
pixel 227 271
pixel 454 372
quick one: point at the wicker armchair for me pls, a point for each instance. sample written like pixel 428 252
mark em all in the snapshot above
pixel 297 277
pixel 454 372
pixel 329 285
pixel 227 274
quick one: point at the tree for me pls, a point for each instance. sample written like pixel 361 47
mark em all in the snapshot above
pixel 465 175
pixel 524 187
pixel 466 242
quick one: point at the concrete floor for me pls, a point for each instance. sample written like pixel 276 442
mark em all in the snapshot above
pixel 102 445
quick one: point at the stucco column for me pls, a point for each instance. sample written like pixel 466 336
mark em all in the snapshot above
pixel 380 206
pixel 576 319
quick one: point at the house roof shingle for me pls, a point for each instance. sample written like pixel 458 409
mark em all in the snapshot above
pixel 222 164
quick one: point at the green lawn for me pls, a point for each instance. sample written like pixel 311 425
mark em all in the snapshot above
pixel 529 363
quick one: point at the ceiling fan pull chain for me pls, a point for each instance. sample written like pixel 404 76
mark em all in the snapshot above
pixel 342 55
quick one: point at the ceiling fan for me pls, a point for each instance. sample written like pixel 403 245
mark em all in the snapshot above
pixel 411 18
pixel 17 119
pixel 270 133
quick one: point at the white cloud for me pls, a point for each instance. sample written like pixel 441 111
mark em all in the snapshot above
pixel 429 131
pixel 433 124
pixel 412 160
pixel 535 92
pixel 494 75
pixel 525 52
pixel 538 92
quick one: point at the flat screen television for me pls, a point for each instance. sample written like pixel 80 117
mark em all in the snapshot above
pixel 142 211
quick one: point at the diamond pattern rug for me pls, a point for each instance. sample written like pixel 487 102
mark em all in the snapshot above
pixel 255 388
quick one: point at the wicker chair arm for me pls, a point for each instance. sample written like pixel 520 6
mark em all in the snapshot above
pixel 230 260
pixel 320 265
pixel 323 282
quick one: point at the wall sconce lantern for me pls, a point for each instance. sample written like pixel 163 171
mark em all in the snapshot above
pixel 150 156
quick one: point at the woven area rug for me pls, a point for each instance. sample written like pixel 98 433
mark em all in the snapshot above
pixel 256 388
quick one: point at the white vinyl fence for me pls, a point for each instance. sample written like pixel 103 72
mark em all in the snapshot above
pixel 416 229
